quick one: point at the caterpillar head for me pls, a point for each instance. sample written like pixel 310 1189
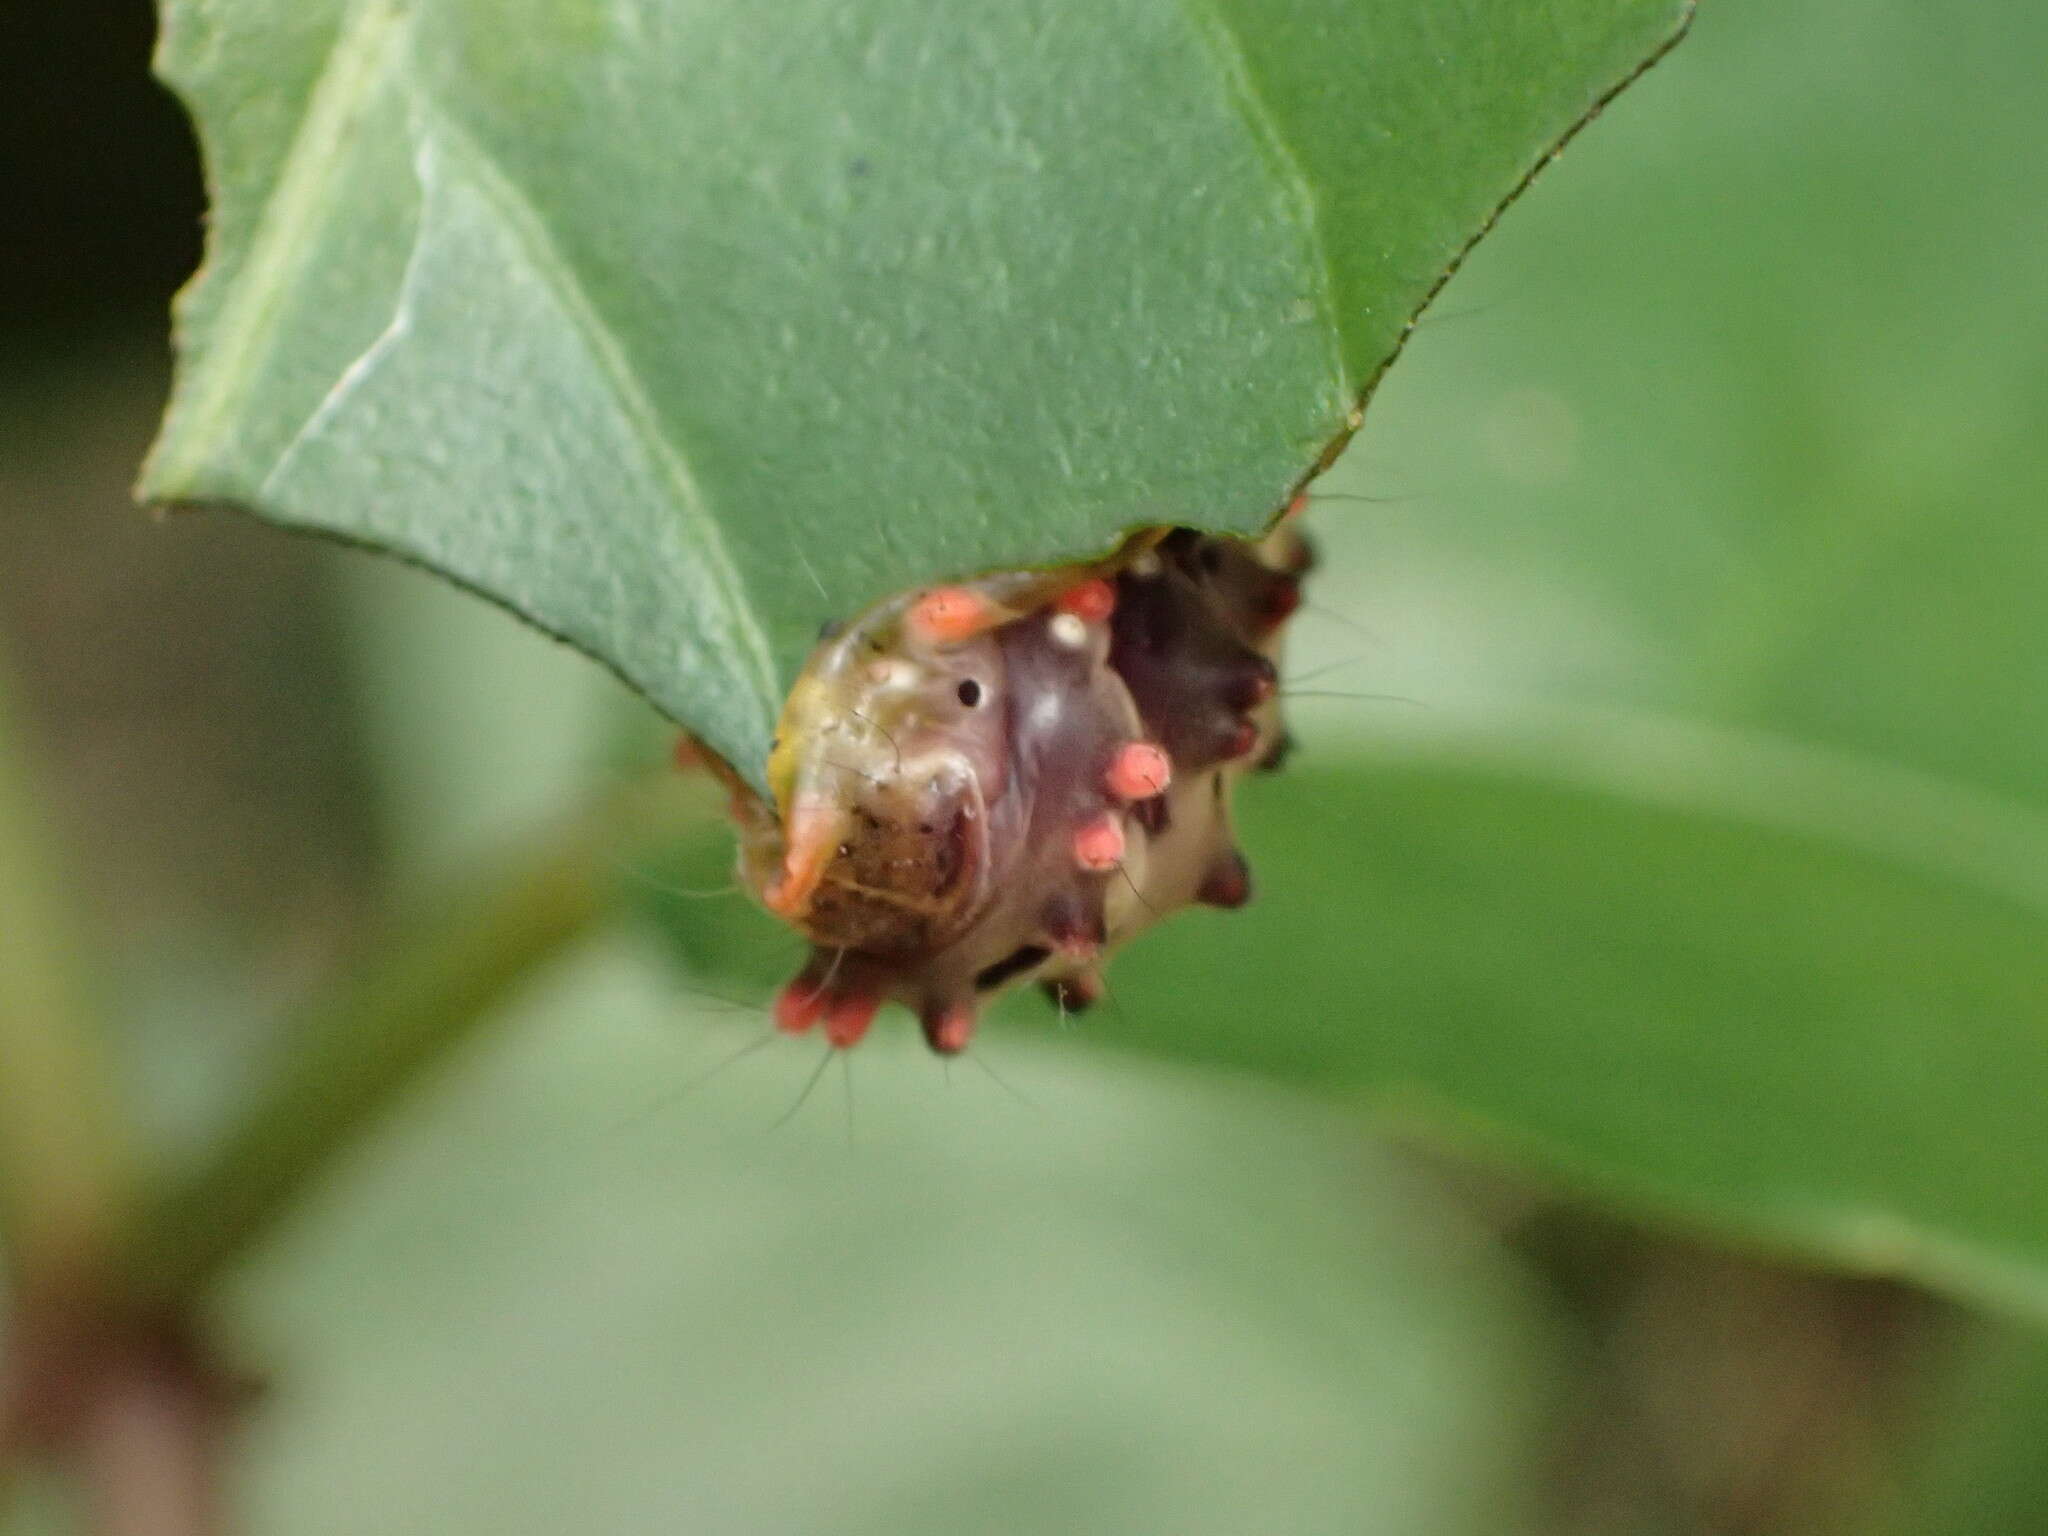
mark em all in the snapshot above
pixel 980 784
pixel 889 751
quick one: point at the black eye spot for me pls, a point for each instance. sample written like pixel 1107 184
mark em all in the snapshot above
pixel 969 693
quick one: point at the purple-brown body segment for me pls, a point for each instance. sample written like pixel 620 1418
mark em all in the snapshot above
pixel 1004 780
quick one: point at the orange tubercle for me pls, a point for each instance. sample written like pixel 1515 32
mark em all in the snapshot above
pixel 950 615
pixel 798 1006
pixel 847 1018
pixel 809 844
pixel 1091 602
pixel 1099 844
pixel 949 1030
pixel 1139 771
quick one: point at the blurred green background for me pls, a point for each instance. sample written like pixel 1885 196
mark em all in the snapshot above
pixel 1644 1000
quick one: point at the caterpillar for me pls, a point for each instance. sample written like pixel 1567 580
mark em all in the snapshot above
pixel 1000 781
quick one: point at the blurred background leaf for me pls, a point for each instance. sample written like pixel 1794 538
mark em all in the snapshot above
pixel 1076 1299
pixel 1978 1464
pixel 1731 502
pixel 681 329
pixel 1691 1004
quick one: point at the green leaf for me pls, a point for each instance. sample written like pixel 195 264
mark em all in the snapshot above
pixel 1700 854
pixel 1710 469
pixel 1692 490
pixel 1133 1303
pixel 1782 994
pixel 678 328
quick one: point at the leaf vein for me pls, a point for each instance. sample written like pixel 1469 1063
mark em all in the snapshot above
pixel 630 394
pixel 1226 49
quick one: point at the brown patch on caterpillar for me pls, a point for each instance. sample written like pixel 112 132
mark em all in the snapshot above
pixel 1003 780
pixel 893 886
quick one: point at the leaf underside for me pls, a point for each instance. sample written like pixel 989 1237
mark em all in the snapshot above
pixel 681 327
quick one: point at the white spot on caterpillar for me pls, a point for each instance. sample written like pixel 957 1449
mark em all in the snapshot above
pixel 1046 712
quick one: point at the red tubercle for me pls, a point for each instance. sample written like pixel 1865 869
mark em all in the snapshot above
pixel 1139 771
pixel 1076 993
pixel 798 1006
pixel 1092 601
pixel 950 615
pixel 1277 604
pixel 1297 554
pixel 847 1018
pixel 1099 844
pixel 948 1030
pixel 1253 685
pixel 1227 883
pixel 1242 740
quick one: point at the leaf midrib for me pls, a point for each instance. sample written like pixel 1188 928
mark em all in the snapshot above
pixel 629 395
